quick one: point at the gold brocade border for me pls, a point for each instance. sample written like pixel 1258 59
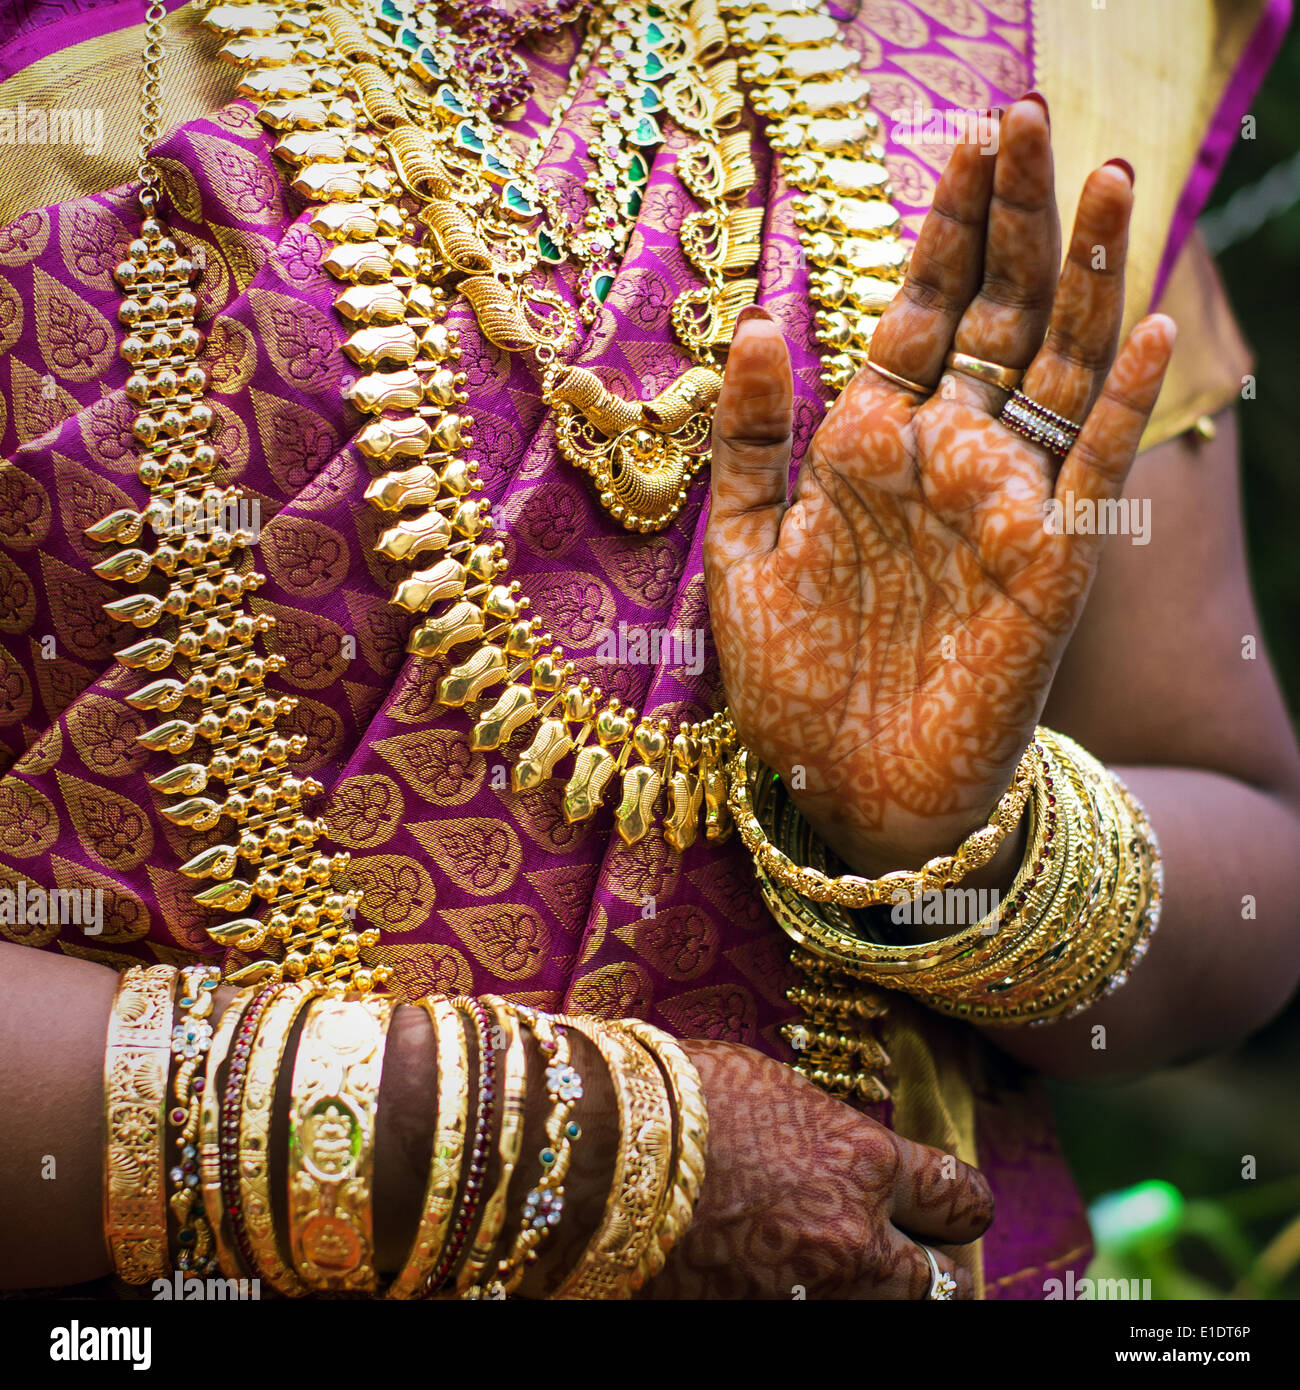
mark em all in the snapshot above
pixel 1141 81
pixel 103 74
pixel 1210 357
pixel 930 1081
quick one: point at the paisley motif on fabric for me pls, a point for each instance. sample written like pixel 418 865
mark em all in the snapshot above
pixel 399 891
pixel 112 828
pixel 29 824
pixel 77 342
pixel 104 733
pixel 364 811
pixel 509 940
pixel 480 854
pixel 619 990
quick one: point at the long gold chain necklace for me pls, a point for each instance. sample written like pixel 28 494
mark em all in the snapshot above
pixel 428 144
pixel 218 678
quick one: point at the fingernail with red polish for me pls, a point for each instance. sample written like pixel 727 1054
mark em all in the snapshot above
pixel 1042 101
pixel 752 311
pixel 1127 168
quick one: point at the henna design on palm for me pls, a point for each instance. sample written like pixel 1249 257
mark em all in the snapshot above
pixel 895 629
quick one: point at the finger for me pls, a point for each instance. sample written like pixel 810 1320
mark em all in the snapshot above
pixel 1067 374
pixel 908 1277
pixel 1007 319
pixel 752 428
pixel 938 1197
pixel 1098 464
pixel 915 332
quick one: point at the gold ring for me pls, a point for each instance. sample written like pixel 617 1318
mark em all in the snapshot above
pixel 991 373
pixel 915 387
pixel 943 1287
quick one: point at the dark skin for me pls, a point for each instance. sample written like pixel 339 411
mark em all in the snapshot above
pixel 837 1206
pixel 801 1190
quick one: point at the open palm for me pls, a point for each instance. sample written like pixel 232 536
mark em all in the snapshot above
pixel 889 637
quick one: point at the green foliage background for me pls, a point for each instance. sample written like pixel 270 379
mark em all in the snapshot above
pixel 1197 1228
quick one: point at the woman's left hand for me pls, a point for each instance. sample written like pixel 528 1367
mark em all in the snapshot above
pixel 894 631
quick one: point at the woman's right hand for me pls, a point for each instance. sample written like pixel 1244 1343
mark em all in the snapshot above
pixel 804 1197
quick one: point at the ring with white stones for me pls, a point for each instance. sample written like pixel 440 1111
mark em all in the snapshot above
pixel 943 1287
pixel 1038 424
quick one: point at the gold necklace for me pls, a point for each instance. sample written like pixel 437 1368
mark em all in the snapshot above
pixel 434 162
pixel 360 179
pixel 219 677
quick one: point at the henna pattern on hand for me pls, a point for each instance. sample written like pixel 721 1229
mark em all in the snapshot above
pixel 805 1196
pixel 894 631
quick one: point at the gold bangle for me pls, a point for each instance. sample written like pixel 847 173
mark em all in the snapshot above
pixel 690 1144
pixel 827 930
pixel 544 1204
pixel 852 890
pixel 191 1039
pixel 1130 907
pixel 135 1099
pixel 1080 942
pixel 336 1078
pixel 514 1091
pixel 1047 890
pixel 264 1062
pixel 972 974
pixel 1069 932
pixel 991 373
pixel 448 1149
pixel 641 1169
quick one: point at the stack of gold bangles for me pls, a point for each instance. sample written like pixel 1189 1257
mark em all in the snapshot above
pixel 323 1052
pixel 1076 920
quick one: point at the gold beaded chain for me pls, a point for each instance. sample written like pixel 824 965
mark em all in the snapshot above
pixel 216 694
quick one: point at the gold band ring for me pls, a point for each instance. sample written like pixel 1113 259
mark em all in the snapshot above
pixel 914 386
pixel 991 373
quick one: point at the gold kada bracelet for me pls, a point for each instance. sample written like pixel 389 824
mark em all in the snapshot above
pixel 690 1144
pixel 448 1154
pixel 510 1139
pixel 642 1169
pixel 264 1063
pixel 852 890
pixel 1075 922
pixel 135 1103
pixel 332 1143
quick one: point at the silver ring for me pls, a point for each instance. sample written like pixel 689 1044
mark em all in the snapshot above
pixel 943 1287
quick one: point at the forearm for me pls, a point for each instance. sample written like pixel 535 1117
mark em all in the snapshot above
pixel 1226 955
pixel 55 1013
pixel 55 1021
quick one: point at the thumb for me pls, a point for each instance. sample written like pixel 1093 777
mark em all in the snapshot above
pixel 752 427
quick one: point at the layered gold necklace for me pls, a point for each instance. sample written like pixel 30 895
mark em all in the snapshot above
pixel 423 196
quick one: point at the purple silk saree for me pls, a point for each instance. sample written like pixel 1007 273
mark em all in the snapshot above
pixel 473 887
